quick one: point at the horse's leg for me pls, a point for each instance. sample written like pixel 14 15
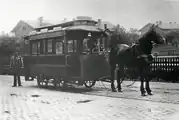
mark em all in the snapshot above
pixel 142 90
pixel 147 86
pixel 119 75
pixel 112 78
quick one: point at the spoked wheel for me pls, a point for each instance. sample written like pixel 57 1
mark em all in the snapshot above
pixel 55 82
pixel 89 83
pixel 46 81
pixel 62 83
pixel 40 80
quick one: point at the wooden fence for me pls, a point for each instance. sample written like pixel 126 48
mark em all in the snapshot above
pixel 166 68
pixel 165 63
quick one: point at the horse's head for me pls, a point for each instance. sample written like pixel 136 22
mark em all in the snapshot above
pixel 155 36
pixel 149 39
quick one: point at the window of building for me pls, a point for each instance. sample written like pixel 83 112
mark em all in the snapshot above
pixel 24 29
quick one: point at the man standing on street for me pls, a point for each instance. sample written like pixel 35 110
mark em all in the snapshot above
pixel 16 63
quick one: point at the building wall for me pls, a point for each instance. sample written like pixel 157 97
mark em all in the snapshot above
pixel 19 31
pixel 166 49
pixel 22 29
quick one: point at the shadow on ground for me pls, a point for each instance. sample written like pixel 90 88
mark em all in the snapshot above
pixel 69 89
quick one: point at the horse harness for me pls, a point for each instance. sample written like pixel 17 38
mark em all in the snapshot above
pixel 139 55
pixel 136 52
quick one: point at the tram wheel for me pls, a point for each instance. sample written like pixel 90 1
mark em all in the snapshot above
pixel 61 82
pixel 64 84
pixel 55 82
pixel 89 83
pixel 40 80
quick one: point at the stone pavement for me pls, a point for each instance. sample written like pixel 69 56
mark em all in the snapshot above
pixel 164 92
pixel 32 103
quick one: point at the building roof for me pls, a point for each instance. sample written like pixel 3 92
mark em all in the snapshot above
pixel 36 23
pixel 63 24
pixel 146 28
pixel 163 28
pixel 168 26
pixel 163 25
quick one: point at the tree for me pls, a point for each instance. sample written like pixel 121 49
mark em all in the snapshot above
pixel 134 34
pixel 122 36
pixel 7 44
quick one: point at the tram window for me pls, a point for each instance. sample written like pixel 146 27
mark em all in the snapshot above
pixel 59 47
pixel 85 45
pixel 34 48
pixel 49 46
pixel 38 47
pixel 75 45
pixel 72 45
pixel 44 46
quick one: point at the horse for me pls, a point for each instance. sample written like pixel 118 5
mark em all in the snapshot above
pixel 137 56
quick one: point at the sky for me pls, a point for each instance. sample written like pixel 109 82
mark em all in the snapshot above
pixel 128 13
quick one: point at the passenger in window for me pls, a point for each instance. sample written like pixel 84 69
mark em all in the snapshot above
pixel 91 44
pixel 101 47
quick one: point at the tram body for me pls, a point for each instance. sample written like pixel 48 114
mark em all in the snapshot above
pixel 61 55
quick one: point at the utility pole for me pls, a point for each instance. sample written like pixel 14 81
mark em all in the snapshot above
pixel 117 31
pixel 40 21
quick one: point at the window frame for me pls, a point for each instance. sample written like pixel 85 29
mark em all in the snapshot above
pixel 52 46
pixel 74 46
pixel 35 43
pixel 59 40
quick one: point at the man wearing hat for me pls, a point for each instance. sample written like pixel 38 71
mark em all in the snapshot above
pixel 16 63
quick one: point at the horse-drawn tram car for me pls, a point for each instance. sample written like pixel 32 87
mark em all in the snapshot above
pixel 70 52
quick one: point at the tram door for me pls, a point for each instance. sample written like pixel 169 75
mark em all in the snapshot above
pixel 73 61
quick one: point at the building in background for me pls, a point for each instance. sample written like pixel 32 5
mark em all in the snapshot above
pixel 24 27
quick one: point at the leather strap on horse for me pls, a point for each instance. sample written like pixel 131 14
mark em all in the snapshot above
pixel 142 56
pixel 137 53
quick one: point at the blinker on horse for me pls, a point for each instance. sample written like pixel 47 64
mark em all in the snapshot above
pixel 136 57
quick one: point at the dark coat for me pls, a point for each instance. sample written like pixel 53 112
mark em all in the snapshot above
pixel 16 63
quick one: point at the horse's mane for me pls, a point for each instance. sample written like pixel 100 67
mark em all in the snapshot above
pixel 142 37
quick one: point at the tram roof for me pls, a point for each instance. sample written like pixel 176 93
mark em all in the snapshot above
pixel 63 25
pixel 60 32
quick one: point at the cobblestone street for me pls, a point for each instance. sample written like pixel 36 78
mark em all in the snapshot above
pixel 32 103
